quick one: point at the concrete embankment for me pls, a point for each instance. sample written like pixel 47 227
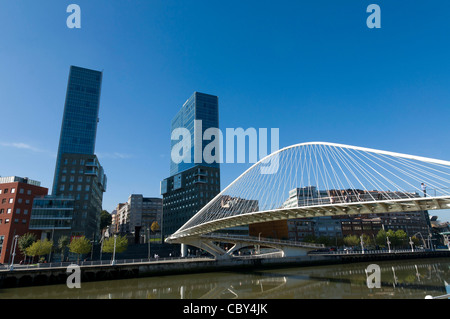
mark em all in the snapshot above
pixel 58 275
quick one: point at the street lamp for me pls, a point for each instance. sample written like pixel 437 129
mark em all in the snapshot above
pixel 411 243
pixel 388 243
pixel 362 244
pixel 114 251
pixel 16 237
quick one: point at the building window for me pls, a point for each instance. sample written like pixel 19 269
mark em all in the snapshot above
pixel 8 211
pixel 6 220
pixel 28 192
pixel 21 191
pixel 18 211
pixel 13 190
pixel 11 200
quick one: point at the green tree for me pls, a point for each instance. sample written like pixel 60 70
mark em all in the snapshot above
pixel 105 219
pixel 26 241
pixel 351 240
pixel 380 239
pixel 121 244
pixel 401 237
pixel 63 242
pixel 40 248
pixel 80 246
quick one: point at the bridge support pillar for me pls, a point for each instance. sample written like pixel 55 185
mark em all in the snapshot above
pixel 183 250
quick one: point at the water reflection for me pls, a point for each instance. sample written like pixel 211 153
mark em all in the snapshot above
pixel 399 279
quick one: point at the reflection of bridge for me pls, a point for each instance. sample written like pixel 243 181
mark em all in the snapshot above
pixel 321 179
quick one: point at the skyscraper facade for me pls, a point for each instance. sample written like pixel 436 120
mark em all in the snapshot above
pixel 78 174
pixel 81 109
pixel 191 185
pixel 199 107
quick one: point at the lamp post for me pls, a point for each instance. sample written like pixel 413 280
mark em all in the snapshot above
pixel 389 243
pixel 114 251
pixel 148 242
pixel 411 243
pixel 16 237
pixel 362 244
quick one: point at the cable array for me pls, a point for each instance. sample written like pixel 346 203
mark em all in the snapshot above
pixel 320 173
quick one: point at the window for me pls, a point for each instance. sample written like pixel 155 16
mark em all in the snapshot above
pixel 16 221
pixel 13 190
pixel 24 221
pixel 8 211
pixel 21 191
pixel 28 192
pixel 6 191
pixel 18 211
pixel 2 211
pixel 6 220
pixel 19 200
pixel 11 200
pixel 25 211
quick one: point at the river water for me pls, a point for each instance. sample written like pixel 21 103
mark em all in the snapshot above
pixel 403 279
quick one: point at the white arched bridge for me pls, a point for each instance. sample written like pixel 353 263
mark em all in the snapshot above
pixel 320 179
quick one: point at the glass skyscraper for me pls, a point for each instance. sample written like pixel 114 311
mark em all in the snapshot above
pixel 79 177
pixel 199 106
pixel 81 109
pixel 191 185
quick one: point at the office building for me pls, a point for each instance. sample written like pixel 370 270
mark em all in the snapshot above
pixel 80 118
pixel 16 202
pixel 191 185
pixel 138 214
pixel 78 173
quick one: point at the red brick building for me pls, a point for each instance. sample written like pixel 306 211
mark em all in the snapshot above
pixel 16 202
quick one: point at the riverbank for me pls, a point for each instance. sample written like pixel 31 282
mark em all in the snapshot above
pixel 58 274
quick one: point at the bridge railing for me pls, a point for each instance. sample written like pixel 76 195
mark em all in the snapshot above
pixel 369 252
pixel 255 239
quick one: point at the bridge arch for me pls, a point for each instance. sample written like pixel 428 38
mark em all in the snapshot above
pixel 324 179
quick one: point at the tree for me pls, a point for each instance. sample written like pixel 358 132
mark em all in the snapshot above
pixel 63 242
pixel 154 227
pixel 40 248
pixel 26 241
pixel 121 244
pixel 105 219
pixel 401 236
pixel 380 239
pixel 80 245
pixel 351 240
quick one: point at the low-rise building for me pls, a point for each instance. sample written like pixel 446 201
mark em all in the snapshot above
pixel 16 202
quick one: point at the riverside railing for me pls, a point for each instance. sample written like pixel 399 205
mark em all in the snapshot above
pixel 65 264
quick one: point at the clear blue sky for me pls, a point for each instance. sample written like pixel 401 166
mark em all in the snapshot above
pixel 310 68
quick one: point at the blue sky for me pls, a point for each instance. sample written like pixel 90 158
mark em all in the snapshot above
pixel 310 68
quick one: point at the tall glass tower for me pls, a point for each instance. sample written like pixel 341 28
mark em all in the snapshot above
pixel 81 109
pixel 201 107
pixel 191 185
